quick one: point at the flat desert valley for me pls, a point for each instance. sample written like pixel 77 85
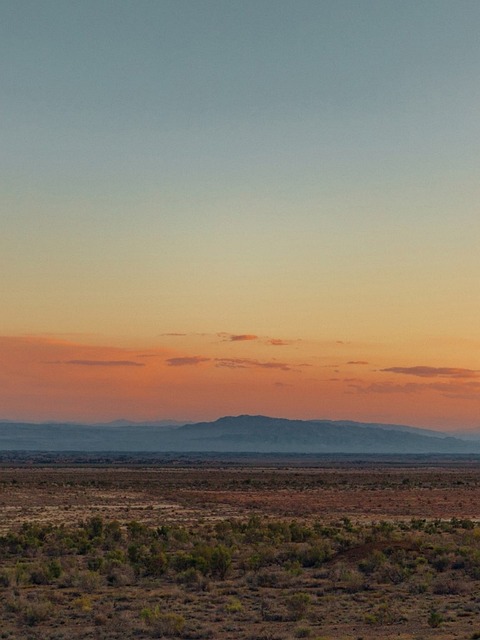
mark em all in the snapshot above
pixel 217 547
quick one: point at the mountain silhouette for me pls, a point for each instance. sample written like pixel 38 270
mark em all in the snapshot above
pixel 233 434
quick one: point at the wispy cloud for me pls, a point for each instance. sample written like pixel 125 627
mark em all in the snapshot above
pixel 173 334
pixel 186 361
pixel 278 342
pixel 454 389
pixel 388 387
pixel 248 363
pixel 241 337
pixel 102 363
pixel 434 372
pixel 458 390
pixel 357 362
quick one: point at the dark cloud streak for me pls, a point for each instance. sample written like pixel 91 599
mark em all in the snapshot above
pixel 103 363
pixel 247 363
pixel 186 361
pixel 434 372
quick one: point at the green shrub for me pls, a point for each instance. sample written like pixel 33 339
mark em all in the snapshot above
pixel 163 624
pixel 168 624
pixel 233 606
pixel 435 619
pixel 298 605
pixel 372 562
pixel 221 561
pixel 303 632
pixel 35 612
pixel 88 581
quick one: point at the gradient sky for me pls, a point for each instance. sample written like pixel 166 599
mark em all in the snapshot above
pixel 219 206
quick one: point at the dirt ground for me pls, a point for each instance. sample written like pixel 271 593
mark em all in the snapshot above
pixel 344 601
pixel 153 494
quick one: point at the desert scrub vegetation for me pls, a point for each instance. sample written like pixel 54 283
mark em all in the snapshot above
pixel 240 578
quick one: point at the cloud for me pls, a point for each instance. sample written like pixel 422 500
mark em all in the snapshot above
pixel 174 334
pixel 277 342
pixel 247 363
pixel 357 362
pixel 387 387
pixel 433 372
pixel 102 363
pixel 186 361
pixel 249 337
pixel 457 390
pixel 469 390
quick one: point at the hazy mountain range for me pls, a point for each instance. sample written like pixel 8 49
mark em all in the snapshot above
pixel 259 434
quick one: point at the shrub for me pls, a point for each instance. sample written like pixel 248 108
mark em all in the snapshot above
pixel 373 562
pixel 155 564
pixel 193 579
pixel 383 615
pixel 315 555
pixel 34 612
pixel 435 619
pixel 120 575
pixel 449 585
pixel 168 624
pixel 6 578
pixel 163 624
pixel 94 527
pixel 269 578
pixel 303 632
pixel 88 581
pixel 45 572
pixel 233 606
pixel 298 605
pixel 260 558
pixel 84 603
pixel 216 561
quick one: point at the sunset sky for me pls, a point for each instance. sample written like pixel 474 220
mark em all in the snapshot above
pixel 215 207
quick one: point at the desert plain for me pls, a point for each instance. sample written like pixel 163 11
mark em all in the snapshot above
pixel 267 548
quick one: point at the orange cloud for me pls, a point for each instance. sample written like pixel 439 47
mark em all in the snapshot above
pixel 433 372
pixel 458 390
pixel 245 363
pixel 277 342
pixel 101 363
pixel 455 390
pixel 186 361
pixel 242 337
pixel 387 387
pixel 174 335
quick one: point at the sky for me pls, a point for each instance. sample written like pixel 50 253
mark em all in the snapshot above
pixel 217 207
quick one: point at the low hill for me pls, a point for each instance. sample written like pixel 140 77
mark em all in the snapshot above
pixel 234 434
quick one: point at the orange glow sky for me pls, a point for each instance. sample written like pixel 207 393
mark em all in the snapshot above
pixel 203 376
pixel 217 207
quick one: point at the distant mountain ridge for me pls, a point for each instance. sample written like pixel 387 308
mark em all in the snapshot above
pixel 232 434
